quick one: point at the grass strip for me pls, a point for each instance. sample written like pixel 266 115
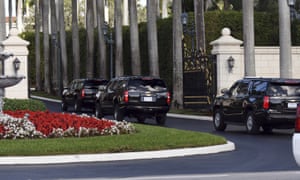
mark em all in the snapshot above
pixel 147 138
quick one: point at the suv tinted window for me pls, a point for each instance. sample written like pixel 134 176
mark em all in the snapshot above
pixel 259 87
pixel 240 89
pixel 283 90
pixel 147 82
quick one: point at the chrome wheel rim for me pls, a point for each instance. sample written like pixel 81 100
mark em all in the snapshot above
pixel 217 119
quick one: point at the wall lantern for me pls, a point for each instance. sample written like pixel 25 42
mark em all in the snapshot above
pixel 291 2
pixel 184 18
pixel 230 62
pixel 16 63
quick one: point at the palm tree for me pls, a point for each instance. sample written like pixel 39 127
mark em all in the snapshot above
pixel 37 46
pixel 90 38
pixel 200 25
pixel 63 49
pixel 46 45
pixel 54 53
pixel 2 22
pixel 134 39
pixel 177 56
pixel 152 37
pixel 75 41
pixel 101 41
pixel 119 38
pixel 20 15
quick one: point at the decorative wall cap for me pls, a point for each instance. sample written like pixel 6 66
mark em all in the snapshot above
pixel 226 39
pixel 13 39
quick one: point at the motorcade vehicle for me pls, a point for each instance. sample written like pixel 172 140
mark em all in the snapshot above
pixel 296 137
pixel 81 94
pixel 258 102
pixel 134 96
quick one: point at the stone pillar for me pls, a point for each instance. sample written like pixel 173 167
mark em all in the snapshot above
pixel 224 48
pixel 18 47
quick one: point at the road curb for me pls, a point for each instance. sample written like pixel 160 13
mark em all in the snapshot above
pixel 80 158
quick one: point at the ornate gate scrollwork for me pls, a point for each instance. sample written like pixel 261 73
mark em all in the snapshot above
pixel 198 79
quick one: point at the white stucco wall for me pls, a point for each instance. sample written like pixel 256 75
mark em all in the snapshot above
pixel 267 60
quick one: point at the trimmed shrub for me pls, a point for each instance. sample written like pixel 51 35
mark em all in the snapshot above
pixel 24 104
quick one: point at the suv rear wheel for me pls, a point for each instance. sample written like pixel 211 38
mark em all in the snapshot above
pixel 118 113
pixel 98 111
pixel 64 106
pixel 77 106
pixel 218 121
pixel 161 119
pixel 251 125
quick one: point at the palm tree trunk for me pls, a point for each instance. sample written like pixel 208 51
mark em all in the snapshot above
pixel 152 37
pixel 2 22
pixel 75 41
pixel 38 79
pixel 46 46
pixel 102 65
pixel 20 15
pixel 134 39
pixel 200 25
pixel 177 56
pixel 119 38
pixel 54 45
pixel 90 38
pixel 63 49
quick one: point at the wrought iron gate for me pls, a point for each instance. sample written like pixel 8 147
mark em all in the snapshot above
pixel 198 79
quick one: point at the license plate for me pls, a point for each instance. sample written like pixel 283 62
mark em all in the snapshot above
pixel 148 99
pixel 292 105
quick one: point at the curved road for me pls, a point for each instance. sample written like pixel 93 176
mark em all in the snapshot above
pixel 263 156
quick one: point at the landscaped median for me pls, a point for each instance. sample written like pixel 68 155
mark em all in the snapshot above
pixel 47 137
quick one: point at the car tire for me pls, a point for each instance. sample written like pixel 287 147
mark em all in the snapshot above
pixel 118 113
pixel 161 119
pixel 77 106
pixel 64 106
pixel 267 129
pixel 218 121
pixel 252 126
pixel 98 111
pixel 141 119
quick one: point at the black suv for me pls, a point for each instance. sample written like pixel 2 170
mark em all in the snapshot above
pixel 81 94
pixel 258 102
pixel 136 96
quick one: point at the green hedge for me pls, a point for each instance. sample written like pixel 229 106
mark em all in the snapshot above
pixel 266 33
pixel 23 104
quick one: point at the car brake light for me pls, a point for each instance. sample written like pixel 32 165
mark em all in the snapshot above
pixel 297 122
pixel 266 103
pixel 126 97
pixel 82 93
pixel 168 98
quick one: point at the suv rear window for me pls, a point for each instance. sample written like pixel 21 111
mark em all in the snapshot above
pixel 284 89
pixel 94 83
pixel 154 83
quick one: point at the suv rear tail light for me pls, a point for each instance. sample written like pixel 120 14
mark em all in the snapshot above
pixel 126 97
pixel 266 102
pixel 297 122
pixel 82 93
pixel 168 98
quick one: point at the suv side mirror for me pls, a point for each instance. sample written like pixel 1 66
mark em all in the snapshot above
pixel 224 91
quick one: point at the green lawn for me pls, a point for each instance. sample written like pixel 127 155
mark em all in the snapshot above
pixel 146 138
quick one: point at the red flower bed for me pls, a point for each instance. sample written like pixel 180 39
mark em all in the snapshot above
pixel 46 122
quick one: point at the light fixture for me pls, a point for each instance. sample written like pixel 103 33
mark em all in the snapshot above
pixel 16 63
pixel 291 2
pixel 230 62
pixel 184 18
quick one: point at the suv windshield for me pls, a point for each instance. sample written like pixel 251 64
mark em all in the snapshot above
pixel 284 90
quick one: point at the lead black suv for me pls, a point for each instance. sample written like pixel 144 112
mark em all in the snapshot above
pixel 81 94
pixel 258 102
pixel 136 96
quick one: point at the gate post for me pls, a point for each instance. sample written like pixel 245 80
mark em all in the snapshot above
pixel 229 60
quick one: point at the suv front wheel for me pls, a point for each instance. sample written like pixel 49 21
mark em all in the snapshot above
pixel 218 121
pixel 251 124
pixel 161 119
